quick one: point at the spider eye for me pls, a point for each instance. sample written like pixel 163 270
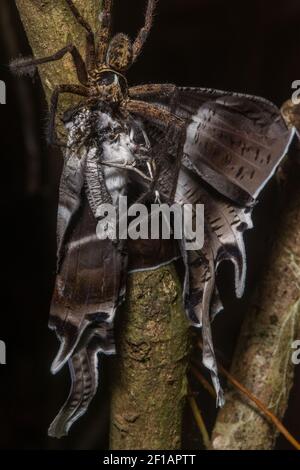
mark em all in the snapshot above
pixel 107 78
pixel 110 78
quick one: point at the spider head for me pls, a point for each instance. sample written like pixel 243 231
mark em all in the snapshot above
pixel 107 82
pixel 120 53
pixel 108 85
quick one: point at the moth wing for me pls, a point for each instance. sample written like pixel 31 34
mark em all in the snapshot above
pixel 166 149
pixel 89 287
pixel 71 184
pixel 234 141
pixel 84 372
pixel 233 145
pixel 90 282
pixel 224 226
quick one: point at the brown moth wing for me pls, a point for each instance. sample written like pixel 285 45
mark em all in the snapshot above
pixel 89 287
pixel 224 225
pixel 91 278
pixel 83 367
pixel 234 141
pixel 234 144
pixel 167 153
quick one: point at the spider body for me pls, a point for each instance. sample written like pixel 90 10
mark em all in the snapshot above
pixel 101 73
pixel 186 145
pixel 107 85
pixel 120 53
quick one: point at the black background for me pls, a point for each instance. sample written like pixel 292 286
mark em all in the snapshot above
pixel 249 46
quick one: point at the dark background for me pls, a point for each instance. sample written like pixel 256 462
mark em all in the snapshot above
pixel 249 46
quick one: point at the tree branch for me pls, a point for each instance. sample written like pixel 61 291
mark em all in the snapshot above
pixel 49 27
pixel 149 382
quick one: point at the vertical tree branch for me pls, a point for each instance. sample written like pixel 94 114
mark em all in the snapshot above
pixel 149 382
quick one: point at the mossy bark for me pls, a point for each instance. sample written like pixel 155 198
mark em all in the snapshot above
pixel 263 358
pixel 153 333
pixel 149 380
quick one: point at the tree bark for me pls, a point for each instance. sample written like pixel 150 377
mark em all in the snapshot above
pixel 50 26
pixel 262 360
pixel 153 334
pixel 149 381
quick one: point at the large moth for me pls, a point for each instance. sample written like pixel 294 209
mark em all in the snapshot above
pixel 149 142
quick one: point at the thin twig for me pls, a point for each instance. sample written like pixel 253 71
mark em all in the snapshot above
pixel 205 383
pixel 267 413
pixel 199 420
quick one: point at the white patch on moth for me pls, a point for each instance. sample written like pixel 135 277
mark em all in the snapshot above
pixel 107 121
pixel 118 152
pixel 78 124
pixel 119 148
pixel 63 212
pixel 92 153
pixel 83 241
pixel 106 229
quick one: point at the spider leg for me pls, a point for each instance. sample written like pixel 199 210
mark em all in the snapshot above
pixel 105 30
pixel 23 65
pixel 79 17
pixel 72 89
pixel 154 113
pixel 152 90
pixel 90 36
pixel 161 91
pixel 144 32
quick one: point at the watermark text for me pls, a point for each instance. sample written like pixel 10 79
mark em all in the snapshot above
pixel 2 353
pixel 2 92
pixel 159 221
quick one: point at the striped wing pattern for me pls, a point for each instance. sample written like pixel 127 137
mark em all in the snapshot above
pixel 233 145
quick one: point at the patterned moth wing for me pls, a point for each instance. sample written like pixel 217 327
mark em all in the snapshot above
pixel 90 280
pixel 234 142
pixel 233 145
pixel 224 227
pixel 82 311
pixel 91 271
pixel 167 153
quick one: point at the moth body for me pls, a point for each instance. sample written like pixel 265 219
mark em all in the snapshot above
pixel 118 152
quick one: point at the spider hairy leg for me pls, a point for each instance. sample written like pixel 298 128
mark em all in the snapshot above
pixel 144 32
pixel 90 37
pixel 105 29
pixel 79 17
pixel 152 90
pixel 154 113
pixel 25 66
pixel 60 89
